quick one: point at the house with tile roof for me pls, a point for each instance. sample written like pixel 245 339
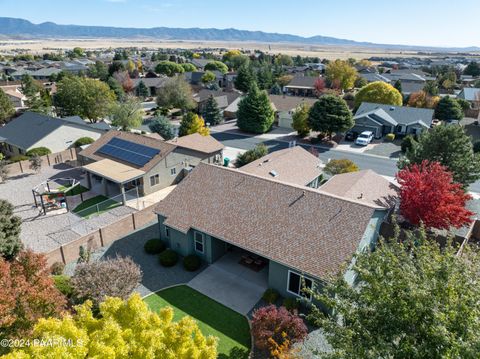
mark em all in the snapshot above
pixel 121 161
pixel 301 235
pixel 383 119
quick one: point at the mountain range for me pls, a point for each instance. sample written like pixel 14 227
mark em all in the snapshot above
pixel 24 29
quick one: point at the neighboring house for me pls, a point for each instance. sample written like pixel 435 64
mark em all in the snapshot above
pixel 411 80
pixel 383 119
pixel 31 130
pixel 195 78
pixel 45 73
pixel 223 98
pixel 472 95
pixel 16 97
pixel 363 186
pixel 301 86
pixel 303 234
pixel 120 161
pixel 284 107
pixel 200 63
pixel 231 110
pixel 153 84
pixel 293 165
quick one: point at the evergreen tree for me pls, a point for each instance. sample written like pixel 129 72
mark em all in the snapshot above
pixel 330 114
pixel 472 69
pixel 211 113
pixel 142 90
pixel 255 113
pixel 398 85
pixel 448 109
pixel 163 127
pixel 264 78
pixel 6 107
pixel 276 89
pixel 245 78
pixel 450 146
pixel 10 243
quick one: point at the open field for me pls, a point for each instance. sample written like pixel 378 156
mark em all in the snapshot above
pixel 329 52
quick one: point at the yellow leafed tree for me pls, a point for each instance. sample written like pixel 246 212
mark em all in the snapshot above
pixel 124 329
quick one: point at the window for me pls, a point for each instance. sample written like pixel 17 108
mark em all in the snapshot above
pixel 173 171
pixel 199 242
pixel 167 232
pixel 296 284
pixel 154 180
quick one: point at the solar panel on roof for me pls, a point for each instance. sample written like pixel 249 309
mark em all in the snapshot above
pixel 127 151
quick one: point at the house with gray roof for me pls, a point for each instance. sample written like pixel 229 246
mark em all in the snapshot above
pixel 472 95
pixel 301 86
pixel 31 130
pixel 153 84
pixel 383 119
pixel 298 236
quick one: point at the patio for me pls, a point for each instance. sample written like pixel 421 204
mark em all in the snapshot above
pixel 232 284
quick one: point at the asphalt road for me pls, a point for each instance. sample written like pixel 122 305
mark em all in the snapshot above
pixel 381 165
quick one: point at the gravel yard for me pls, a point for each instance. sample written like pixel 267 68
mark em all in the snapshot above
pixel 43 233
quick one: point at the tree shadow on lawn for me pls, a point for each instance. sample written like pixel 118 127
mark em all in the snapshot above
pixel 235 353
pixel 212 313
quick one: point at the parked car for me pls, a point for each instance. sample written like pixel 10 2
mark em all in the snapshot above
pixel 351 135
pixel 364 138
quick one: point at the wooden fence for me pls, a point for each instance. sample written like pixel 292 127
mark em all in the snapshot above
pixel 103 236
pixel 18 168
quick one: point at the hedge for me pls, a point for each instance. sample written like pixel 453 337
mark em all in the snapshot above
pixel 270 296
pixel 82 141
pixel 154 246
pixel 192 262
pixel 39 151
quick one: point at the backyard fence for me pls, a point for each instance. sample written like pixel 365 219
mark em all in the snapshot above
pixel 101 237
pixel 18 168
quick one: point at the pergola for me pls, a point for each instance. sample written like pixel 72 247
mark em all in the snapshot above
pixel 52 193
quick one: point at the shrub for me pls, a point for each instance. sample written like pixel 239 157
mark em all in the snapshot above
pixel 18 158
pixel 407 143
pixel 278 325
pixel 335 167
pixel 154 246
pixel 168 258
pixel 270 296
pixel 192 262
pixel 390 137
pixel 82 141
pixel 57 268
pixel 476 147
pixel 38 151
pixel 116 277
pixel 63 284
pixel 259 151
pixel 290 303
pixel 349 96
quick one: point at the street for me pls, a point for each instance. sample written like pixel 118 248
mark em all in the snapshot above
pixel 381 165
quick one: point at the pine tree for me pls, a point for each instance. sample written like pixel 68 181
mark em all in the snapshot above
pixel 211 113
pixel 142 90
pixel 255 113
pixel 6 107
pixel 163 127
pixel 448 109
pixel 330 114
pixel 245 78
pixel 10 243
pixel 398 86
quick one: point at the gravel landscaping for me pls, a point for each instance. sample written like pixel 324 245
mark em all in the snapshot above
pixel 43 233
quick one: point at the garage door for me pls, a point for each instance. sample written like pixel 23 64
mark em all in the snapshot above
pixel 361 128
pixel 285 122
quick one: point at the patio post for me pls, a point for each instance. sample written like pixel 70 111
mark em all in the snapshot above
pixel 124 197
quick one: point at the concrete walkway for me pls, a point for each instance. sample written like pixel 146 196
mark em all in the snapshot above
pixel 231 283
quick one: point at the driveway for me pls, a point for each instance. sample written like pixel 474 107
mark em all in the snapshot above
pixel 232 284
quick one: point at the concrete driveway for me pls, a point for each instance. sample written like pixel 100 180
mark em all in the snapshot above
pixel 231 283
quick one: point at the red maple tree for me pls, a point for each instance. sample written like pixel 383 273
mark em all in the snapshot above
pixel 27 293
pixel 429 195
pixel 320 86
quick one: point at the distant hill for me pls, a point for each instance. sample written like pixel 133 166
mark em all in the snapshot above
pixel 20 28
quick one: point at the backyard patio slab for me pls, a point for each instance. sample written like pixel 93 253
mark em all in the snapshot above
pixel 231 283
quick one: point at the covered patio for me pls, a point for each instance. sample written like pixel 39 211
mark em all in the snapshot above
pixel 113 177
pixel 233 282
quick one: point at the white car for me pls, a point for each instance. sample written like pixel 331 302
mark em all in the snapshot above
pixel 364 138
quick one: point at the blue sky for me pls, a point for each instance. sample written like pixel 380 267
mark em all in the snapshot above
pixel 415 22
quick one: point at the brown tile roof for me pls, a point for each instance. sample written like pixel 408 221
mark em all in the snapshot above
pixel 363 186
pixel 197 142
pixel 165 148
pixel 288 103
pixel 292 165
pixel 297 226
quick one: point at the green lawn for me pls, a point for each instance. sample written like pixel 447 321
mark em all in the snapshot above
pixel 88 208
pixel 76 190
pixel 212 317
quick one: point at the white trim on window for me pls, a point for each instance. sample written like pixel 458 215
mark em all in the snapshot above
pixel 154 180
pixel 196 241
pixel 301 278
pixel 173 171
